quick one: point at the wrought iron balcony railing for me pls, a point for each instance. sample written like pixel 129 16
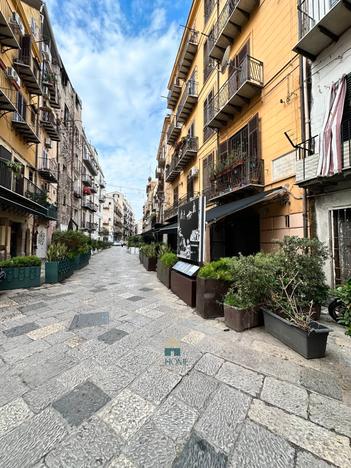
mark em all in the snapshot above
pixel 322 22
pixel 187 101
pixel 48 169
pixel 242 85
pixel 49 123
pixel 188 55
pixel 174 130
pixel 9 31
pixel 7 94
pixel 29 72
pixel 25 123
pixel 187 151
pixel 172 171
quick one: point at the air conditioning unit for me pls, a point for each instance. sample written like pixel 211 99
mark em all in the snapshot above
pixel 13 76
pixel 194 172
pixel 16 22
pixel 48 142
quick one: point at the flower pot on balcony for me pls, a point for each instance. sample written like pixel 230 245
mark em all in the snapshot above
pixel 150 263
pixel 242 319
pixel 164 274
pixel 209 297
pixel 21 277
pixel 310 344
pixel 59 271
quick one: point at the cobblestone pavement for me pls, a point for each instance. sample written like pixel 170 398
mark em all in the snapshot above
pixel 84 382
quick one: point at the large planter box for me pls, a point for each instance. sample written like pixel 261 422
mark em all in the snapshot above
pixel 242 319
pixel 310 344
pixel 209 297
pixel 150 263
pixel 83 260
pixel 59 271
pixel 21 277
pixel 184 287
pixel 164 274
pixel 141 256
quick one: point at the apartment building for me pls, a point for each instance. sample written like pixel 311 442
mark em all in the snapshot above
pixel 150 208
pixel 324 157
pixel 28 182
pixel 235 102
pixel 118 218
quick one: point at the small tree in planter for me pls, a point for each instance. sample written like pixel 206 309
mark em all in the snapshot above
pixel 21 272
pixel 297 293
pixel 253 279
pixel 164 265
pixel 213 281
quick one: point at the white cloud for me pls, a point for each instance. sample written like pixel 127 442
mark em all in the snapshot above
pixel 120 72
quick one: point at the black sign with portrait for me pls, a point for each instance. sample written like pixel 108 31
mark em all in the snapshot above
pixel 190 231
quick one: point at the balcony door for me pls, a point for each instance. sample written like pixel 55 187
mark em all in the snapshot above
pixel 5 172
pixel 238 69
pixel 19 181
pixel 341 244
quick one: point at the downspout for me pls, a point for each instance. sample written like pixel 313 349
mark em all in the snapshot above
pixel 305 130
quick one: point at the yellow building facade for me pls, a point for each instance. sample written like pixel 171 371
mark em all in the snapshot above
pixel 235 102
pixel 28 133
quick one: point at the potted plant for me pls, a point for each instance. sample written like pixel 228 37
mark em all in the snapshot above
pixel 252 280
pixel 58 266
pixel 149 256
pixel 164 266
pixel 343 297
pixel 213 281
pixel 15 167
pixel 299 286
pixel 21 272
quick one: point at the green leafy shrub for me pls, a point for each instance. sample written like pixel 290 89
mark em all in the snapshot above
pixel 135 241
pixel 162 249
pixel 299 283
pixel 21 262
pixel 169 259
pixel 154 249
pixel 57 252
pixel 222 269
pixel 253 280
pixel 75 241
pixel 344 294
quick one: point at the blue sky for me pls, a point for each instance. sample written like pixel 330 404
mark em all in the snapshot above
pixel 119 54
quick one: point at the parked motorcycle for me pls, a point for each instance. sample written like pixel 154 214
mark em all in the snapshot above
pixel 338 306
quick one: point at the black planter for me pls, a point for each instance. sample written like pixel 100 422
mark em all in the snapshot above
pixel 310 345
pixel 164 274
pixel 242 319
pixel 149 263
pixel 209 297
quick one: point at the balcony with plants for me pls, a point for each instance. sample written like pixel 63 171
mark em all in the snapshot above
pixel 189 51
pixel 233 17
pixel 321 23
pixel 187 151
pixel 244 83
pixel 21 193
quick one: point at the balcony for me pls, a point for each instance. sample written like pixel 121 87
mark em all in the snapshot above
pixel 7 94
pixel 94 188
pixel 228 178
pixel 188 55
pixel 29 72
pixel 308 160
pixel 21 193
pixel 188 101
pixel 172 210
pixel 102 198
pixel 54 97
pixel 234 15
pixel 187 151
pixel 102 183
pixel 90 163
pixel 25 125
pixel 89 205
pixel 173 95
pixel 172 171
pixel 8 37
pixel 89 226
pixel 322 22
pixel 87 180
pixel 48 169
pixel 174 131
pixel 49 122
pixel 243 84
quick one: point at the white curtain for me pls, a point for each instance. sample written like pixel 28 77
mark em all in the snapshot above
pixel 330 154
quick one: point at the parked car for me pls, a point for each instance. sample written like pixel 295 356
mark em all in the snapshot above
pixel 118 243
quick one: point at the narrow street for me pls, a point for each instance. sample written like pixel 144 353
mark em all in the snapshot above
pixel 111 369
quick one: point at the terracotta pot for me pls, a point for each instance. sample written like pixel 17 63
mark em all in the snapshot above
pixel 242 319
pixel 209 297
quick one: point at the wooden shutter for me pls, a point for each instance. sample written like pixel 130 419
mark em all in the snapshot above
pixel 253 139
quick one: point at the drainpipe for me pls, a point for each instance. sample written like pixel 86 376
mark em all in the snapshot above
pixel 305 129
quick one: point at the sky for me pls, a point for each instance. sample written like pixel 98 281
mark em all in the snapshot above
pixel 119 55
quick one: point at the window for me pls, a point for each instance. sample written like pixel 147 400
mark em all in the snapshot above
pixel 21 105
pixel 190 187
pixel 208 132
pixel 66 116
pixel 209 63
pixel 208 7
pixel 175 195
pixel 191 131
pixel 207 165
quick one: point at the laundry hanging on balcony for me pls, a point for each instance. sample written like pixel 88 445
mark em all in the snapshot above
pixel 330 154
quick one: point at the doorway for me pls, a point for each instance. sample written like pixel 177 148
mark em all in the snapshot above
pixel 16 239
pixel 341 244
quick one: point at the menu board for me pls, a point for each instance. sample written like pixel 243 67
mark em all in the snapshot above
pixel 186 268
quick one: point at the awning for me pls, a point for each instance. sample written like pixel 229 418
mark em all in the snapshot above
pixel 169 229
pixel 220 212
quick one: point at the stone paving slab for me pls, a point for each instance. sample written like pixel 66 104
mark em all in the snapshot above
pixel 104 394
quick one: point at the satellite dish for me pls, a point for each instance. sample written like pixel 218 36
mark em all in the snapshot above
pixel 225 59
